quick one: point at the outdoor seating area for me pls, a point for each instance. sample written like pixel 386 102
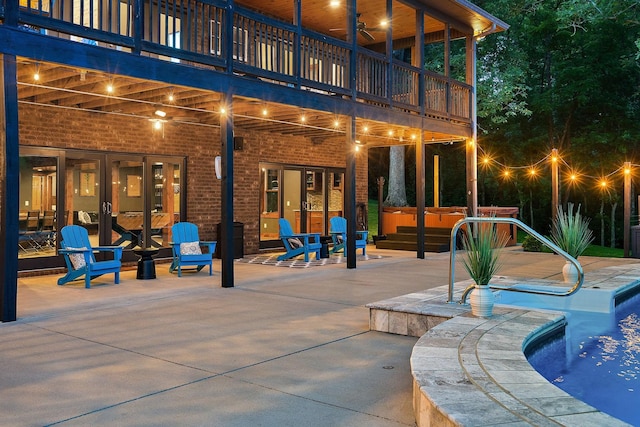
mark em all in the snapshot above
pixel 80 259
pixel 188 250
pixel 304 244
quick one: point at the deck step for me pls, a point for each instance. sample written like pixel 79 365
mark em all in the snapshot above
pixel 406 239
pixel 411 246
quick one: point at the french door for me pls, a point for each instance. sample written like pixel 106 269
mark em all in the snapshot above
pixel 306 196
pixel 126 200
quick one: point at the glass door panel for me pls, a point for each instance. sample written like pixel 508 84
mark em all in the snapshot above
pixel 314 195
pixel 166 203
pixel 83 199
pixel 125 210
pixel 269 203
pixel 292 200
pixel 336 194
pixel 38 206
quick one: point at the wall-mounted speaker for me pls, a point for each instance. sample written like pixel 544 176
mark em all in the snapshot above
pixel 238 143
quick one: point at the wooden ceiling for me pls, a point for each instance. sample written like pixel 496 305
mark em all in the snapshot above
pixel 319 16
pixel 71 88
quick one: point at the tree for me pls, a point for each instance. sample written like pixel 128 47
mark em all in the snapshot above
pixel 574 66
pixel 397 194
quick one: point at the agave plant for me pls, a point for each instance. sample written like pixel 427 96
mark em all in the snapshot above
pixel 482 258
pixel 571 231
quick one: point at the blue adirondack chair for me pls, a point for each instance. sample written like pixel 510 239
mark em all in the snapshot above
pixel 338 227
pixel 298 244
pixel 78 255
pixel 188 249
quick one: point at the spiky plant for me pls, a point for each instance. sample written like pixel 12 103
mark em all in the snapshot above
pixel 482 258
pixel 571 231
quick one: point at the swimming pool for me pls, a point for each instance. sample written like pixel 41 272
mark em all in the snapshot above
pixel 601 368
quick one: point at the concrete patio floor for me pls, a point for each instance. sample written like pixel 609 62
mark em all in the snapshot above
pixel 284 347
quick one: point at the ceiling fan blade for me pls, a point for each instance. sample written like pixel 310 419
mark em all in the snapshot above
pixel 367 35
pixel 337 29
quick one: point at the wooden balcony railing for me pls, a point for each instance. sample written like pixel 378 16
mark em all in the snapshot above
pixel 194 31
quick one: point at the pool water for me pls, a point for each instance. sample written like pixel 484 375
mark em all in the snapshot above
pixel 605 370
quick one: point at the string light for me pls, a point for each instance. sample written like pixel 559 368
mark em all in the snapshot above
pixel 573 177
pixel 36 74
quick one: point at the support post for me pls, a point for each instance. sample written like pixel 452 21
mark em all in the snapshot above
pixel 472 146
pixel 627 208
pixel 226 228
pixel 350 194
pixel 420 189
pixel 9 183
pixel 380 205
pixel 436 181
pixel 555 184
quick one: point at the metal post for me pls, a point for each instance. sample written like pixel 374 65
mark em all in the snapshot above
pixel 436 181
pixel 472 143
pixel 9 174
pixel 555 183
pixel 380 205
pixel 420 189
pixel 226 229
pixel 627 207
pixel 350 194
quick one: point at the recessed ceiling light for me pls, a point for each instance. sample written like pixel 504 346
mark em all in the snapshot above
pixel 334 3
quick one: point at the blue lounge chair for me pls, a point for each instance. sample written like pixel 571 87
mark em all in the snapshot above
pixel 298 244
pixel 338 226
pixel 78 255
pixel 188 249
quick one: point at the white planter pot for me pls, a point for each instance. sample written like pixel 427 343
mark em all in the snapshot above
pixel 570 272
pixel 481 300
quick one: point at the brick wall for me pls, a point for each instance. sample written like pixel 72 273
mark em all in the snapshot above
pixel 70 129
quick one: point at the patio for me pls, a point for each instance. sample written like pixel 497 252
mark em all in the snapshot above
pixel 285 346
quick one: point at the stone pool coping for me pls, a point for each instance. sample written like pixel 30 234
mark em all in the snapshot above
pixel 470 371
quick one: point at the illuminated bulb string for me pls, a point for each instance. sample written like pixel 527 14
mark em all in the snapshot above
pixel 486 161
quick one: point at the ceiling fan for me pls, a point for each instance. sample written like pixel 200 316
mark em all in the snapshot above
pixel 362 28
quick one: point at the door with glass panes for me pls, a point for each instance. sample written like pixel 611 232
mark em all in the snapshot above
pixel 125 200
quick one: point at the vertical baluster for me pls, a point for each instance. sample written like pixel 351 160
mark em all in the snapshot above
pixel 303 57
pixel 206 29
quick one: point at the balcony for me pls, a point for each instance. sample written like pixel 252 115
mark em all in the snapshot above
pixel 195 32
